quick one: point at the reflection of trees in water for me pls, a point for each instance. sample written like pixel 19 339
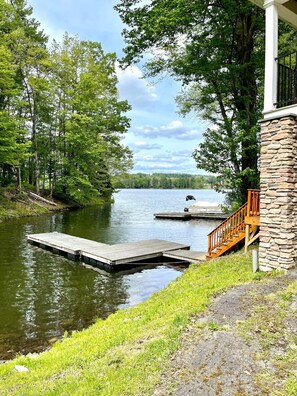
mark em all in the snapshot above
pixel 49 295
pixel 90 223
pixel 42 295
pixel 17 286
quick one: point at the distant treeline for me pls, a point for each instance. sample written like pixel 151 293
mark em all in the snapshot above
pixel 164 180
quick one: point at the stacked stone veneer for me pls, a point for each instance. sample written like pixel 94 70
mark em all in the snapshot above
pixel 278 198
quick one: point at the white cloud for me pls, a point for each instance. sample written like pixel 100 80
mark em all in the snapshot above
pixel 83 18
pixel 135 88
pixel 187 153
pixel 164 158
pixel 164 167
pixel 142 145
pixel 153 105
pixel 155 168
pixel 177 162
pixel 174 129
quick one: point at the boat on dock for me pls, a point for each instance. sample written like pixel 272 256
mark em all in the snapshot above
pixel 113 256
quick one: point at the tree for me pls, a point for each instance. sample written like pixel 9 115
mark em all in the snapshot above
pixel 17 30
pixel 61 120
pixel 216 50
pixel 21 43
pixel 33 62
pixel 89 120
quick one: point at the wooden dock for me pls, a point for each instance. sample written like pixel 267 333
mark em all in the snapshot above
pixel 186 255
pixel 109 256
pixel 191 215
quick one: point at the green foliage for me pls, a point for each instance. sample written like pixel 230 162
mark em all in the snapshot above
pixel 12 148
pixel 61 119
pixel 163 180
pixel 291 386
pixel 88 119
pixel 216 50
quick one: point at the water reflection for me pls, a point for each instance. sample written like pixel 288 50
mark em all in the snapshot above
pixel 42 295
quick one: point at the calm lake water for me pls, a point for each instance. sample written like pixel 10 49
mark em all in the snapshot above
pixel 42 295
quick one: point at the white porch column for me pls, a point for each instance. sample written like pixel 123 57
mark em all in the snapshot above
pixel 271 52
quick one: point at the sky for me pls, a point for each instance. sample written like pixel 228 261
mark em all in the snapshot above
pixel 162 140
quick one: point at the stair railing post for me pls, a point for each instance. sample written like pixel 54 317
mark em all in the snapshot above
pixel 247 237
pixel 209 245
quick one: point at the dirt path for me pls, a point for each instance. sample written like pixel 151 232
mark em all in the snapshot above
pixel 243 345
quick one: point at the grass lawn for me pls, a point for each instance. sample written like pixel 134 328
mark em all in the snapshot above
pixel 126 353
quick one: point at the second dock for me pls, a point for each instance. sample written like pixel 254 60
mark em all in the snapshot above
pixel 191 215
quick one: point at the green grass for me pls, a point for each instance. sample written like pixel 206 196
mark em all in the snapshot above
pixel 126 353
pixel 287 363
pixel 269 323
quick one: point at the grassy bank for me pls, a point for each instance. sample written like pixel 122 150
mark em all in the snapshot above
pixel 126 353
pixel 14 204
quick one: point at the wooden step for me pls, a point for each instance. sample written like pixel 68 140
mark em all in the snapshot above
pixel 226 246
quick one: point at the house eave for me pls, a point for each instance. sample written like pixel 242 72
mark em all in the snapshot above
pixel 284 13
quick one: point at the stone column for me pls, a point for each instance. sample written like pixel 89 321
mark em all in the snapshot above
pixel 278 197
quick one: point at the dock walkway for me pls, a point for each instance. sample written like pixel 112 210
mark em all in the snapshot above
pixel 111 256
pixel 191 215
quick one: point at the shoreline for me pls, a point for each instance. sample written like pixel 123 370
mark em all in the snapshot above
pixel 105 355
pixel 162 335
pixel 15 205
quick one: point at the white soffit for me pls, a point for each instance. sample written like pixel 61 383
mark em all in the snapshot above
pixel 285 9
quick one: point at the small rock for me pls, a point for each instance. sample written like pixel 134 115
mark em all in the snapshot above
pixel 32 355
pixel 21 369
pixel 202 321
pixel 53 340
pixel 294 305
pixel 137 318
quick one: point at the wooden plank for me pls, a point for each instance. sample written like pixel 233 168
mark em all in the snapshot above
pixel 173 215
pixel 191 215
pixel 252 220
pixel 64 242
pixel 97 252
pixel 210 215
pixel 186 255
pixel 133 251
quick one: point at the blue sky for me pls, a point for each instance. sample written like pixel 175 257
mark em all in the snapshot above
pixel 161 140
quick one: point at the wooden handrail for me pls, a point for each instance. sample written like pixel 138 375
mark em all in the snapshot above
pixel 229 228
pixel 253 203
pixel 235 224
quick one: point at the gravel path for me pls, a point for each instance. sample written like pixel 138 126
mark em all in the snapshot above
pixel 233 348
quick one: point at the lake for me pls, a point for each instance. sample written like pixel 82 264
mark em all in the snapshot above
pixel 43 295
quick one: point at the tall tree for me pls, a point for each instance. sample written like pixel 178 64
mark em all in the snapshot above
pixel 16 29
pixel 215 48
pixel 89 119
pixel 61 121
pixel 21 44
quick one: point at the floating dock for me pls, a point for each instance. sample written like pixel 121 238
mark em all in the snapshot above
pixel 191 215
pixel 112 256
pixel 186 255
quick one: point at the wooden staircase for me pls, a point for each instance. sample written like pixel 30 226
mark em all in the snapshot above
pixel 241 226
